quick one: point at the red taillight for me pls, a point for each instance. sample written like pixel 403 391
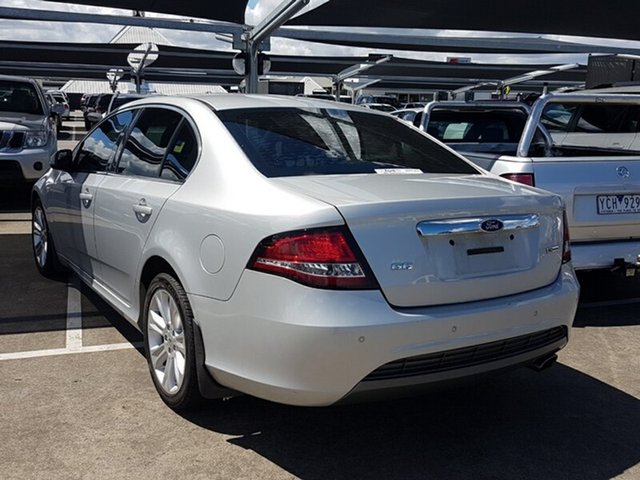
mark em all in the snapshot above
pixel 566 243
pixel 525 178
pixel 322 258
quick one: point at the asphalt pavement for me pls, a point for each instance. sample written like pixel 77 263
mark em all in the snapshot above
pixel 77 402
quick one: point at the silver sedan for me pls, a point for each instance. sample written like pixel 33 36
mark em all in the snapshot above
pixel 304 251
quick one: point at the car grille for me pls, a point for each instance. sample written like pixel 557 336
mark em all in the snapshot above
pixel 468 356
pixel 10 139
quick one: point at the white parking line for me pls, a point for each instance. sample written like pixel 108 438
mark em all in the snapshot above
pixel 73 342
pixel 74 315
pixel 66 351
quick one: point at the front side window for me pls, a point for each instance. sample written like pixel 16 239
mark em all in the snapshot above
pixel 98 149
pixel 148 141
pixel 292 141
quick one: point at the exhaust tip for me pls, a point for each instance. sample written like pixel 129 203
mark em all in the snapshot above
pixel 542 363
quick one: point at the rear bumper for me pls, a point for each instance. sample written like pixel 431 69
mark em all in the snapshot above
pixel 287 343
pixel 415 374
pixel 601 255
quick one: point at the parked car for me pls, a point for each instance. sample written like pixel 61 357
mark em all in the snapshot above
pixel 583 146
pixel 57 119
pixel 27 130
pixel 86 100
pixel 96 111
pixel 116 100
pixel 414 105
pixel 408 114
pixel 120 99
pixel 382 107
pixel 386 99
pixel 304 251
pixel 61 97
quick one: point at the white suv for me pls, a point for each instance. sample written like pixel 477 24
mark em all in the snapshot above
pixel 27 130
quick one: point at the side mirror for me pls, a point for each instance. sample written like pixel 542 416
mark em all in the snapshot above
pixel 58 109
pixel 62 160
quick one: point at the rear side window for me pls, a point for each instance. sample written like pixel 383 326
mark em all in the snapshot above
pixel 591 118
pixel 182 155
pixel 148 141
pixel 588 129
pixel 557 117
pixel 607 119
pixel 291 141
pixel 98 149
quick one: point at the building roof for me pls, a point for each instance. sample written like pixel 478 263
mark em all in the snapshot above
pixel 131 35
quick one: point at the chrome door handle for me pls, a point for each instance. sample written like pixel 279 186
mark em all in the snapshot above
pixel 86 198
pixel 142 211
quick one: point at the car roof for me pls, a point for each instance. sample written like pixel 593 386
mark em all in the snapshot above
pixel 231 101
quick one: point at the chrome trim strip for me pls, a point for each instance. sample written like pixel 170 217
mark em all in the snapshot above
pixel 458 226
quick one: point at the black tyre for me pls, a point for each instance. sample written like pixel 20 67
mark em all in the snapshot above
pixel 167 324
pixel 44 250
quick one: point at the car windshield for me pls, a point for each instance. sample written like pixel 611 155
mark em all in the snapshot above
pixel 20 97
pixel 292 142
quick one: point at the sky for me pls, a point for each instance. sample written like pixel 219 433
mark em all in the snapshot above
pixel 256 10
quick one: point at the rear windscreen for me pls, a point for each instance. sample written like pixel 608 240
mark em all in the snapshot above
pixel 292 142
pixel 485 126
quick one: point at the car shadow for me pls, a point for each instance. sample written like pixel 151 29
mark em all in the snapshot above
pixel 560 424
pixel 607 299
pixel 15 198
pixel 32 303
pixel 606 286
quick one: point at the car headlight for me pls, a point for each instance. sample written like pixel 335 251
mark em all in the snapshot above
pixel 36 139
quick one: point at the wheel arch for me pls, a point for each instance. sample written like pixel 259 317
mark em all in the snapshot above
pixel 207 386
pixel 154 265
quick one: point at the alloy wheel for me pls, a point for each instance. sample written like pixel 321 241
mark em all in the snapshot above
pixel 166 341
pixel 40 237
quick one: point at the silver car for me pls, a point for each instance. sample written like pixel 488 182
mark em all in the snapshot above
pixel 304 251
pixel 27 130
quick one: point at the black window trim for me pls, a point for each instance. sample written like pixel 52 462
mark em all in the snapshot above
pixel 185 116
pixel 116 154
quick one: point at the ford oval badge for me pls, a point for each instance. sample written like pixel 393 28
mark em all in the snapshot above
pixel 492 225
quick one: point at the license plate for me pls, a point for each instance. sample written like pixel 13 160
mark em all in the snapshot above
pixel 617 204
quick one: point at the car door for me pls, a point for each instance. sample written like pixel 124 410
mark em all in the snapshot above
pixel 72 196
pixel 131 197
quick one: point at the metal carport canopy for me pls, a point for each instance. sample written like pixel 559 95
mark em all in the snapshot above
pixel 589 18
pixel 84 60
pixel 226 11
